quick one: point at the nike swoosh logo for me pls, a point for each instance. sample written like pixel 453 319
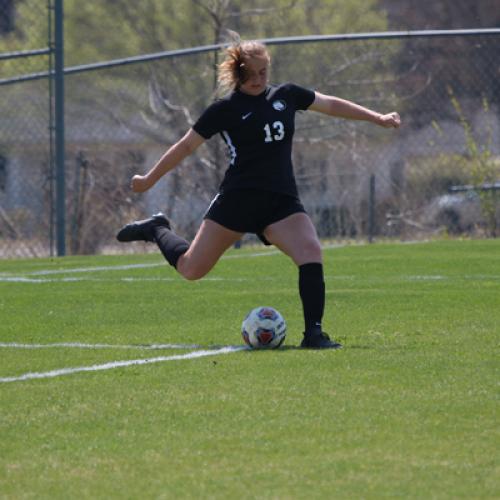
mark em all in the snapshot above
pixel 244 117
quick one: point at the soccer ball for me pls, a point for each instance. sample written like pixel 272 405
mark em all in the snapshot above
pixel 264 328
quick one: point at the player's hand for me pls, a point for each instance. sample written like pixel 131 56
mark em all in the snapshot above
pixel 139 184
pixel 391 120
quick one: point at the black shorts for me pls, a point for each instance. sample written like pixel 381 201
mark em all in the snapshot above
pixel 252 210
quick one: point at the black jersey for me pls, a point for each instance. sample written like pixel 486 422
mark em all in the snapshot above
pixel 258 131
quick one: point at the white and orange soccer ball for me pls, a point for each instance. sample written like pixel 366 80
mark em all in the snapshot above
pixel 264 328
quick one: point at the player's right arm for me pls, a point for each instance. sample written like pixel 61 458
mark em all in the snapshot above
pixel 342 108
pixel 171 158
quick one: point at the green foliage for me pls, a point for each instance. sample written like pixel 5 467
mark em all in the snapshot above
pixel 30 33
pixel 384 417
pixel 96 30
pixel 427 177
pixel 484 169
pixel 306 17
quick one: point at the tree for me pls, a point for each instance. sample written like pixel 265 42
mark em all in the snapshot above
pixel 156 102
pixel 445 14
pixel 180 88
pixel 436 58
pixel 6 16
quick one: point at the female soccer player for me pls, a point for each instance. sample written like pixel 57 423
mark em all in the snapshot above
pixel 258 193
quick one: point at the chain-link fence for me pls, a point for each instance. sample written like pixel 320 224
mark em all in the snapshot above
pixel 26 119
pixel 119 120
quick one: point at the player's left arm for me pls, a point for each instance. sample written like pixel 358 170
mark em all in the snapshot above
pixel 335 106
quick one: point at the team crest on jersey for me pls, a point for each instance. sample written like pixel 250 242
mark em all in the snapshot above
pixel 279 105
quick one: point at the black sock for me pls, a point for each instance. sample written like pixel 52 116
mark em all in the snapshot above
pixel 171 245
pixel 312 294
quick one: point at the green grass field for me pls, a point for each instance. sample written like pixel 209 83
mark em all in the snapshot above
pixel 408 409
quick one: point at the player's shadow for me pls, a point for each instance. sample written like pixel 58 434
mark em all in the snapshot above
pixel 286 348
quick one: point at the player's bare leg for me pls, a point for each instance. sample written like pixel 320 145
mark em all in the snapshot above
pixel 210 242
pixel 296 237
pixel 193 261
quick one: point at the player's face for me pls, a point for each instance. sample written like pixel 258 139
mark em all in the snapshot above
pixel 256 75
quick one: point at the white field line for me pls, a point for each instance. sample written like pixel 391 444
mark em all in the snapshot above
pixel 265 253
pixel 26 277
pixel 125 267
pixel 44 272
pixel 23 279
pixel 130 279
pixel 79 345
pixel 74 279
pixel 120 364
pixel 75 270
pixel 6 276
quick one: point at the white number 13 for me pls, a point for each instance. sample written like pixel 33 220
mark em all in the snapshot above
pixel 279 128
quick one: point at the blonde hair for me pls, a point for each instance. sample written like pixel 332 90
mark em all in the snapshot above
pixel 231 72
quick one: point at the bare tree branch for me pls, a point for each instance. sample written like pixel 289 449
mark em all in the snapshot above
pixel 262 11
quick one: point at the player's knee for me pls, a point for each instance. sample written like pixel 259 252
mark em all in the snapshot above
pixel 192 273
pixel 193 269
pixel 311 250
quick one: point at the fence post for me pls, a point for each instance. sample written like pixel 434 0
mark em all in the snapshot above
pixel 371 210
pixel 59 127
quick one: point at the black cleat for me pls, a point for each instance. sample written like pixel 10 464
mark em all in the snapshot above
pixel 316 339
pixel 142 230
